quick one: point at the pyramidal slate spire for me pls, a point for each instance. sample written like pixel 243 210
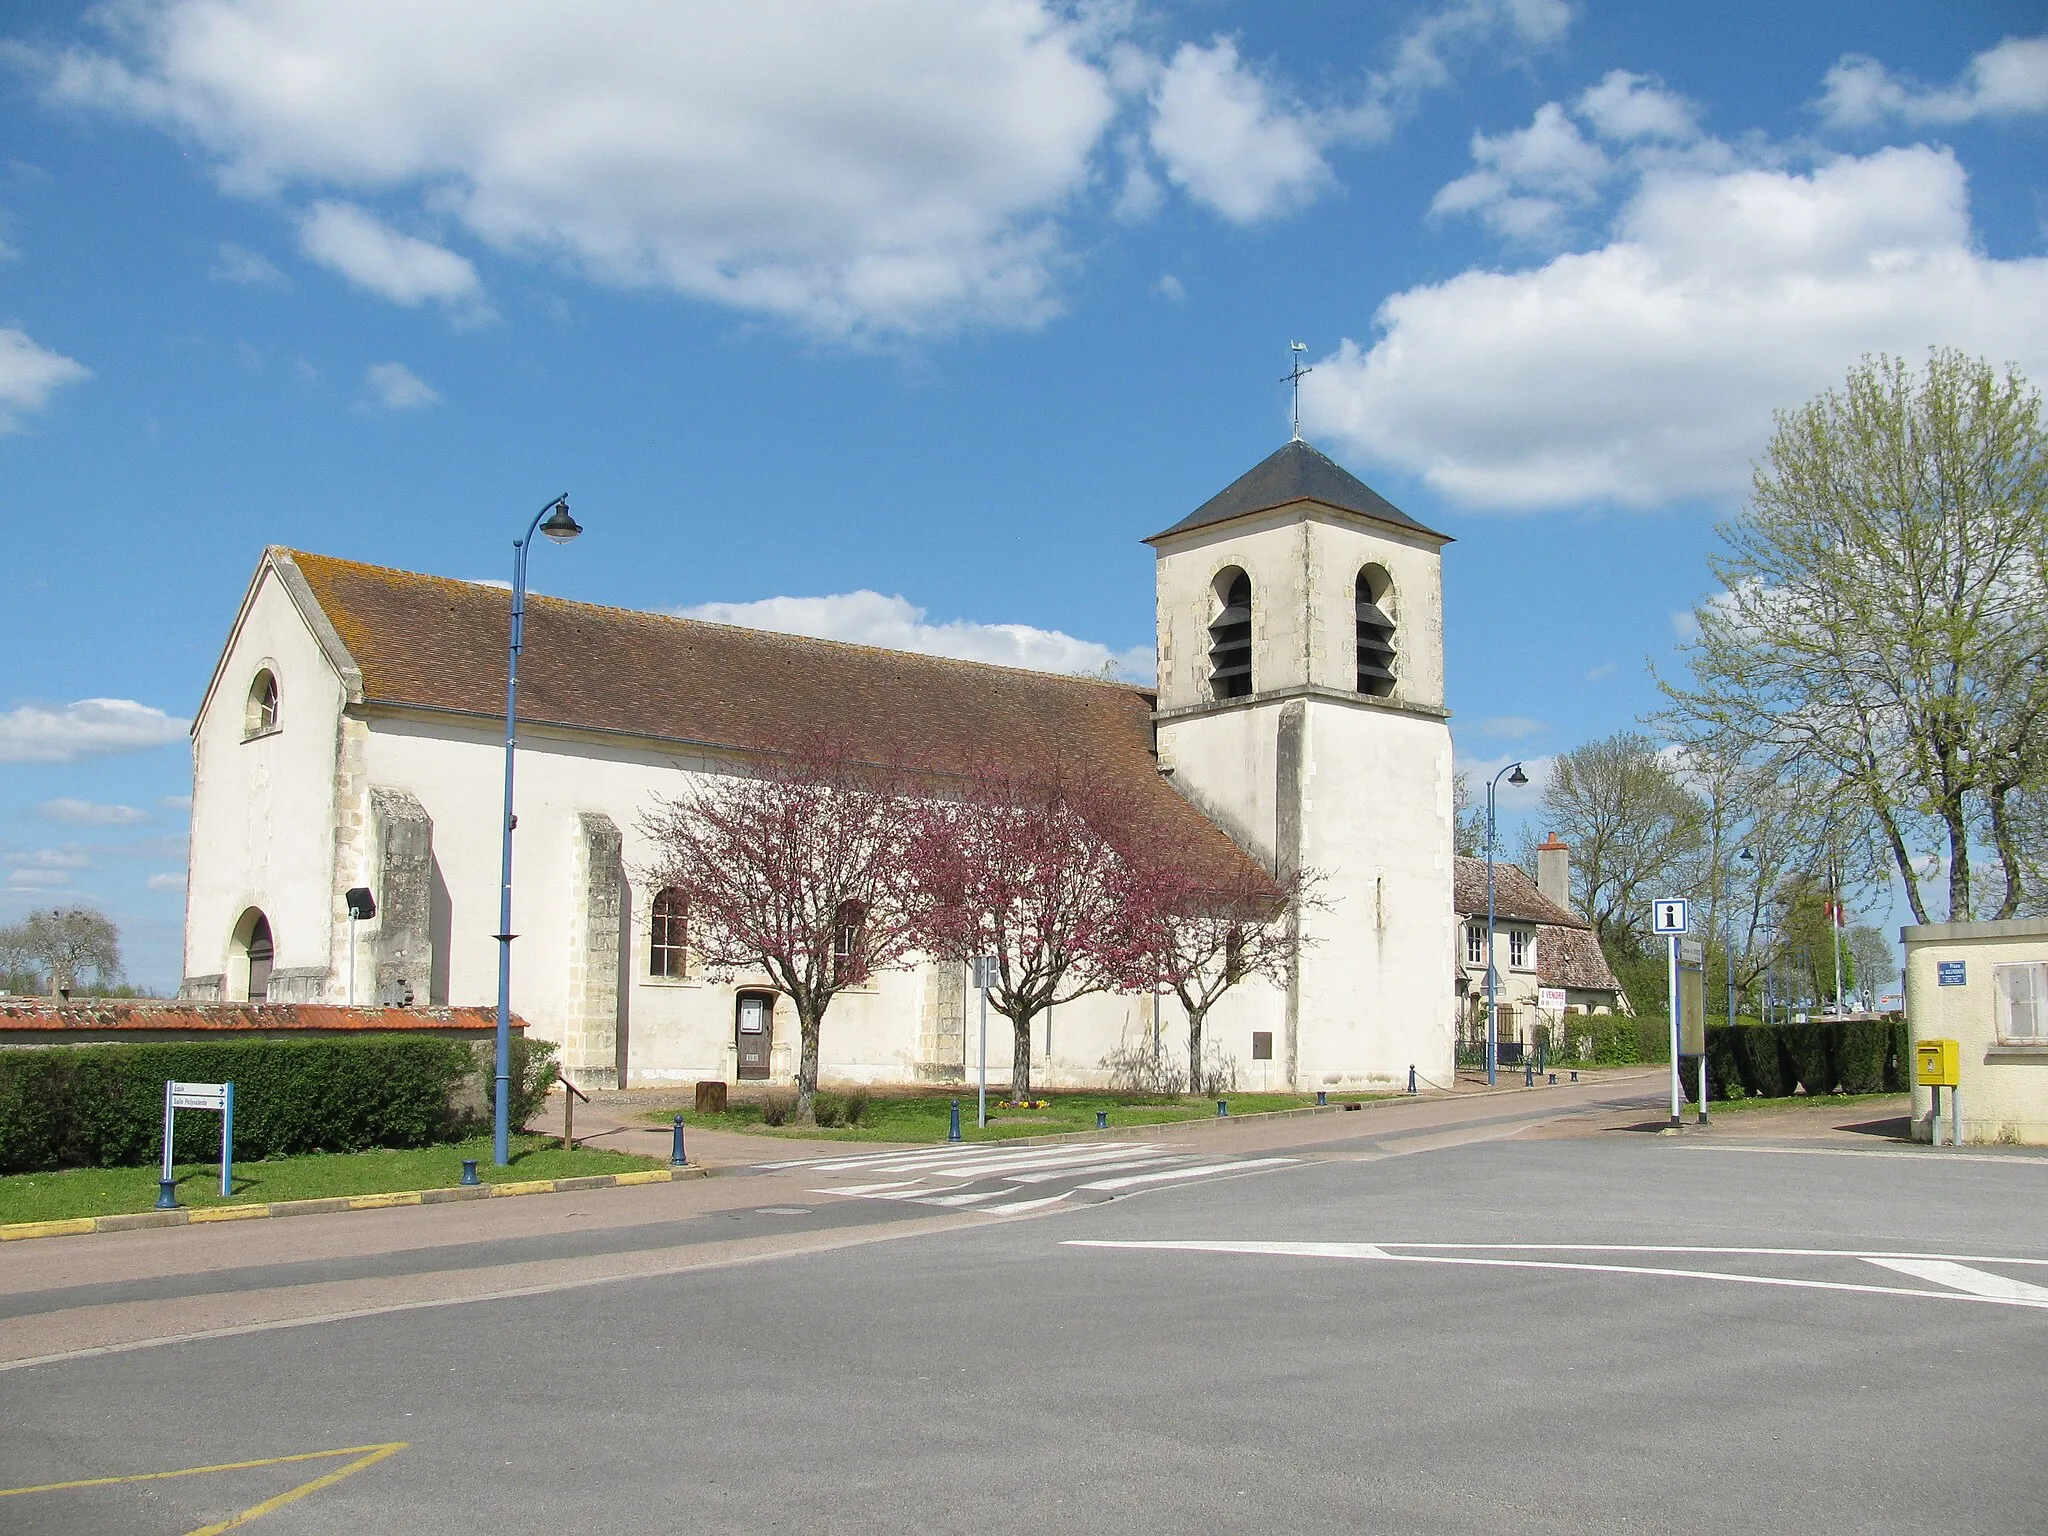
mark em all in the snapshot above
pixel 1297 472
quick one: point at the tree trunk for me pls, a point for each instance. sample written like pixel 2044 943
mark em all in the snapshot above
pixel 1020 1057
pixel 810 1025
pixel 1958 862
pixel 1196 1084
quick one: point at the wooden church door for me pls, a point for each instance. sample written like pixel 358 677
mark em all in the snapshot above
pixel 756 1034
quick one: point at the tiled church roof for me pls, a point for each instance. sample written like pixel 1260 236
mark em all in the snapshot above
pixel 427 642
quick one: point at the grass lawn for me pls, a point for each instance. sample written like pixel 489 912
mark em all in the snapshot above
pixel 1802 1101
pixel 113 1191
pixel 924 1117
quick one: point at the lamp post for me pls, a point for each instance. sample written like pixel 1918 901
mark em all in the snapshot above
pixel 1747 858
pixel 1514 775
pixel 560 527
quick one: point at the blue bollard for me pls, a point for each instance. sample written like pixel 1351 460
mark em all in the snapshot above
pixel 677 1158
pixel 469 1171
pixel 1222 1108
pixel 953 1124
pixel 1553 1079
pixel 1102 1119
pixel 1322 1097
pixel 1575 1077
pixel 167 1194
pixel 1411 1077
pixel 1528 1072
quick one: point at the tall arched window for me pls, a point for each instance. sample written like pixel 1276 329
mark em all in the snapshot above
pixel 846 958
pixel 669 936
pixel 261 715
pixel 1230 637
pixel 255 954
pixel 1375 633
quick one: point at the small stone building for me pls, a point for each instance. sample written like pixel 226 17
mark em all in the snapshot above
pixel 1985 986
pixel 1539 943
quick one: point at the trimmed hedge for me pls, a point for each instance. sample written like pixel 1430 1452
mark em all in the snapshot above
pixel 101 1106
pixel 1821 1056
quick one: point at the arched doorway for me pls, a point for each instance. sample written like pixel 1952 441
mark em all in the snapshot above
pixel 254 952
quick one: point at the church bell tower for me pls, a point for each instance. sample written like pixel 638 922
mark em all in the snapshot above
pixel 1301 706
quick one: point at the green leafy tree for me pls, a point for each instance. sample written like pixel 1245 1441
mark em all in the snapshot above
pixel 1635 829
pixel 1882 621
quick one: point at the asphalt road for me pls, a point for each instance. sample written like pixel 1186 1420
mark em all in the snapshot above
pixel 1000 1376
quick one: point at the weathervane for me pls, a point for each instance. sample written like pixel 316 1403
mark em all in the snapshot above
pixel 1296 348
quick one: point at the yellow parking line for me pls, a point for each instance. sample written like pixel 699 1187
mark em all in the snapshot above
pixel 376 1453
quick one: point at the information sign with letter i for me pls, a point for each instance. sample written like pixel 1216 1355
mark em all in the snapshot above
pixel 1668 920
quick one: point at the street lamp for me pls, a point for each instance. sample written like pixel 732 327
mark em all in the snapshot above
pixel 1747 858
pixel 560 528
pixel 1514 775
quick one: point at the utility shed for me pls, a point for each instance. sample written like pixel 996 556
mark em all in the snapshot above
pixel 1984 986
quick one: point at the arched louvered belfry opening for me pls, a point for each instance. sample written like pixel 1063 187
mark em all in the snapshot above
pixel 1375 633
pixel 1230 637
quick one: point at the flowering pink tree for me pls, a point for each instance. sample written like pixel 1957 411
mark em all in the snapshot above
pixel 1200 939
pixel 1026 871
pixel 796 870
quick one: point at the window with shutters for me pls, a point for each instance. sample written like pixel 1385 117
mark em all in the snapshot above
pixel 1230 637
pixel 1375 632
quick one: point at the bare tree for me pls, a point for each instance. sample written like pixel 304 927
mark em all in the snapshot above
pixel 1468 820
pixel 795 871
pixel 1883 617
pixel 64 947
pixel 1876 963
pixel 1027 870
pixel 1633 825
pixel 1201 940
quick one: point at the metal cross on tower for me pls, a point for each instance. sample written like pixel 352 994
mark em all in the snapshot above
pixel 1295 378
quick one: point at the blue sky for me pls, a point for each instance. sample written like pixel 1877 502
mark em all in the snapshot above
pixel 935 311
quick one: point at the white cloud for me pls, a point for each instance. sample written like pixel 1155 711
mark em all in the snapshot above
pixel 35 733
pixel 175 802
pixel 1511 727
pixel 869 618
pixel 1170 287
pixel 1422 56
pixel 1228 138
pixel 28 373
pixel 1479 772
pixel 395 387
pixel 1528 182
pixel 166 882
pixel 1624 107
pixel 1685 625
pixel 2010 80
pixel 1605 669
pixel 244 267
pixel 90 813
pixel 36 879
pixel 48 858
pixel 399 267
pixel 892 166
pixel 1646 369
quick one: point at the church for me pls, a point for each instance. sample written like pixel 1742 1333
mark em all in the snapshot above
pixel 351 736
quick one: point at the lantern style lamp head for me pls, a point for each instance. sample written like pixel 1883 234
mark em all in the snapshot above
pixel 560 526
pixel 1518 777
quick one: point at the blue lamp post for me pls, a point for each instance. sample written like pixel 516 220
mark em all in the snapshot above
pixel 1514 775
pixel 560 527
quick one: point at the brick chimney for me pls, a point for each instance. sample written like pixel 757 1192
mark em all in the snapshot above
pixel 1554 870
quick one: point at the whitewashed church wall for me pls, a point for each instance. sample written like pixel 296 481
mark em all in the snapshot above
pixel 1338 552
pixel 264 810
pixel 1376 818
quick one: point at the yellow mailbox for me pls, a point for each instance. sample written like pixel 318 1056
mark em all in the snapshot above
pixel 1938 1061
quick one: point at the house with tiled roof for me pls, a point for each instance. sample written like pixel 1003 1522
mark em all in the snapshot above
pixel 352 736
pixel 1540 944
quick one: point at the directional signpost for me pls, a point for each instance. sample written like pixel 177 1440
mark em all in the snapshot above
pixel 214 1096
pixel 987 975
pixel 1668 919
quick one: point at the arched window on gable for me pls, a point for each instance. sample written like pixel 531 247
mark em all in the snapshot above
pixel 846 943
pixel 1230 637
pixel 668 934
pixel 260 716
pixel 1375 632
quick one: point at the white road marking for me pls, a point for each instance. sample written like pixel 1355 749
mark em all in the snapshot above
pixel 1018 1207
pixel 1128 1162
pixel 1188 1173
pixel 1976 1281
pixel 1386 1252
